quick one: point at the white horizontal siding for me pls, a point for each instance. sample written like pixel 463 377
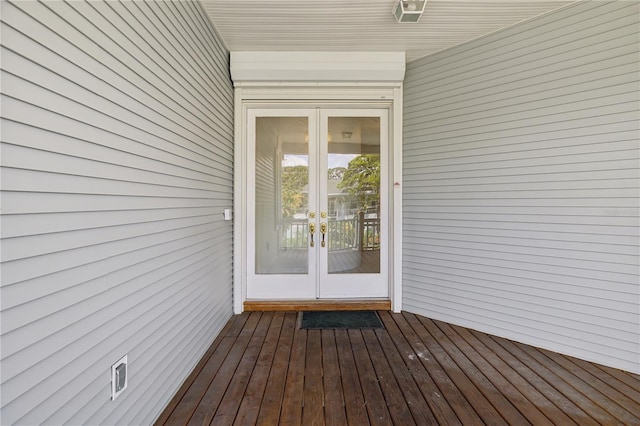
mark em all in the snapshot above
pixel 521 210
pixel 116 167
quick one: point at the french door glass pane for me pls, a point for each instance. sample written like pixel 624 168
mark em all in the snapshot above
pixel 353 195
pixel 282 195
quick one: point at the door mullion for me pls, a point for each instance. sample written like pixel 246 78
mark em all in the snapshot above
pixel 320 143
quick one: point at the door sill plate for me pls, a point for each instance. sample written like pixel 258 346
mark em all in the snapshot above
pixel 318 305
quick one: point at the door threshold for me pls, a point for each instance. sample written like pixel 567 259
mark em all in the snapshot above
pixel 318 305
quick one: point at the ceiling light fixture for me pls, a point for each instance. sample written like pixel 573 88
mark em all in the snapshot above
pixel 408 10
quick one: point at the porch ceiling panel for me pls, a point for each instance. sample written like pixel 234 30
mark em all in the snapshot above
pixel 338 25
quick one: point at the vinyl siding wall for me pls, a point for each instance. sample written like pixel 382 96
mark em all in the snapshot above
pixel 117 165
pixel 521 183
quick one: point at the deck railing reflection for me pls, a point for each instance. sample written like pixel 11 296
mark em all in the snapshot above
pixel 357 233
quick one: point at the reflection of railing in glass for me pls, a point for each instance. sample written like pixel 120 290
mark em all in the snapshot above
pixel 342 234
pixel 370 234
pixel 345 234
pixel 293 233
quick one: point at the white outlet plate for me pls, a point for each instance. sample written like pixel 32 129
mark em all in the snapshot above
pixel 119 377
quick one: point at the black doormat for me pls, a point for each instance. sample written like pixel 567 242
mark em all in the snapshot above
pixel 340 319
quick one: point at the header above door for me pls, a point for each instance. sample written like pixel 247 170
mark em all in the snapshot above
pixel 317 67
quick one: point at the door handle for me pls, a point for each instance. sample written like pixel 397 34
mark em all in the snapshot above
pixel 323 230
pixel 312 230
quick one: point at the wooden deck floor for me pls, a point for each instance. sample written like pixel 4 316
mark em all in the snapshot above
pixel 264 370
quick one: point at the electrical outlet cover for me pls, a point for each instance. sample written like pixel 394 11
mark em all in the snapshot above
pixel 118 377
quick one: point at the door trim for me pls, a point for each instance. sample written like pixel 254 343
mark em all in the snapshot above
pixel 328 95
pixel 319 280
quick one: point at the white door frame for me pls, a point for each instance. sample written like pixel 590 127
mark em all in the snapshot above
pixel 328 95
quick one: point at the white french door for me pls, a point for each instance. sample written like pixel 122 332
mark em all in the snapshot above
pixel 317 203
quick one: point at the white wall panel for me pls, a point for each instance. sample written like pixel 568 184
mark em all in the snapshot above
pixel 521 183
pixel 261 66
pixel 116 167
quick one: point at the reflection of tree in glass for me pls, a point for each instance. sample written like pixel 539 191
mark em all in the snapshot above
pixel 294 179
pixel 362 180
pixel 336 173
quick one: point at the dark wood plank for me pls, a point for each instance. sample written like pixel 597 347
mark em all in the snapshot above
pixel 199 387
pixel 613 377
pixel 272 402
pixel 629 379
pixel 334 407
pixel 237 325
pixel 474 354
pixel 291 413
pixel 581 413
pixel 418 406
pixel 618 404
pixel 558 400
pixel 188 396
pixel 253 395
pixel 352 390
pixel 533 397
pixel 208 405
pixel 496 398
pixel 228 408
pixel 312 408
pixel 602 410
pixel 396 402
pixel 466 387
pixel 374 399
pixel 413 365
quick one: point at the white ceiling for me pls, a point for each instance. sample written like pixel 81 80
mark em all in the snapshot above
pixel 363 25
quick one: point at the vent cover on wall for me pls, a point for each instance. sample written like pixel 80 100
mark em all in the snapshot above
pixel 118 377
